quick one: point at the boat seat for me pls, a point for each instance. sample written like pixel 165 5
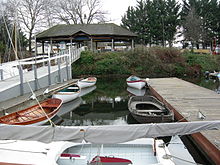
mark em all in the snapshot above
pixel 32 116
pixel 152 111
pixel 49 106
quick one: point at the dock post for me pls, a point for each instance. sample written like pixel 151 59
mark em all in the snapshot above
pixel 35 66
pixel 59 72
pixel 21 80
pixel 49 63
pixel 49 76
pixel 35 77
pixel 1 73
pixel 67 68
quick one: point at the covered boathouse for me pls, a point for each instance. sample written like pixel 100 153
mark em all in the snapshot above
pixel 91 35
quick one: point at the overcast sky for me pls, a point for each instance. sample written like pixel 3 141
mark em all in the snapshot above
pixel 117 8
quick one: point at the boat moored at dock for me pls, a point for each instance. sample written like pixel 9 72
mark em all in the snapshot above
pixel 148 109
pixel 68 94
pixel 87 82
pixel 135 82
pixel 34 115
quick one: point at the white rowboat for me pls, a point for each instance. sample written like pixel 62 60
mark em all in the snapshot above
pixel 87 82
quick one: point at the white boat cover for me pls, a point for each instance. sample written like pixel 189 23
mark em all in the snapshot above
pixel 104 134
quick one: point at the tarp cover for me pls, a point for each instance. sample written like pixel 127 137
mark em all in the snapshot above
pixel 103 134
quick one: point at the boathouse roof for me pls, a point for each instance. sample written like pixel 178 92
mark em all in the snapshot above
pixel 59 32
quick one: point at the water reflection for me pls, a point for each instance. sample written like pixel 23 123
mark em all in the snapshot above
pixel 85 91
pixel 136 92
pixel 106 103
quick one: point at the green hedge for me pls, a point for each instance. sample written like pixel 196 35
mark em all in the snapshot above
pixel 147 62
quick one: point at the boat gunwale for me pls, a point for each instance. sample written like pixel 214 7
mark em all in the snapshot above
pixel 44 105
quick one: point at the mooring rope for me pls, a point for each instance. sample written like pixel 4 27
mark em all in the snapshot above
pixel 17 58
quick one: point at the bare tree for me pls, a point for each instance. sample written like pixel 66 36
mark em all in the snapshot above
pixel 30 13
pixel 80 11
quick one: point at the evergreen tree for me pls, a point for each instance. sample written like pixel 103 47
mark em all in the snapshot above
pixel 155 21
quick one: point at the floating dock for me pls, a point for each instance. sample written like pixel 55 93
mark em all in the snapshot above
pixel 192 103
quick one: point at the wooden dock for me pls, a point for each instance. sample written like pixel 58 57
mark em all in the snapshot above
pixel 190 101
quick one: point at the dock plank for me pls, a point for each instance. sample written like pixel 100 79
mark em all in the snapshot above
pixel 188 99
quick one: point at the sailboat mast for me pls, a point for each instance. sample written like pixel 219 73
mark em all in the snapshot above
pixel 16 45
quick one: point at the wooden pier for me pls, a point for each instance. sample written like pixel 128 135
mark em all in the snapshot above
pixel 192 103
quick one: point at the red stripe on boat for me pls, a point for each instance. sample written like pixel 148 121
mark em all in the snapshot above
pixel 103 159
pixel 135 81
pixel 69 155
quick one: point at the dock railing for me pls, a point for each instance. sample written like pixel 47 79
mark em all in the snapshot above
pixel 67 56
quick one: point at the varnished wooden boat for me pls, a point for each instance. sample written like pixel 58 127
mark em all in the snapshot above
pixel 34 115
pixel 148 109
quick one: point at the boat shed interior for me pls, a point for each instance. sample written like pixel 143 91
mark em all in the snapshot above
pixel 102 37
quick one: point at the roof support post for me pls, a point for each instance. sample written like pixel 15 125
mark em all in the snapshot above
pixel 43 51
pixel 91 44
pixel 112 44
pixel 51 45
pixel 132 44
pixel 96 45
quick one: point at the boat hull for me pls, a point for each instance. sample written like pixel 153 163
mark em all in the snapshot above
pixel 139 152
pixel 88 82
pixel 34 115
pixel 147 109
pixel 152 119
pixel 136 84
pixel 66 97
pixel 68 94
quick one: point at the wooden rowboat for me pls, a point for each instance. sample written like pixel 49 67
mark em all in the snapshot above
pixel 34 115
pixel 148 109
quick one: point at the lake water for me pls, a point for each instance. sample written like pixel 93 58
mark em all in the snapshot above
pixel 106 103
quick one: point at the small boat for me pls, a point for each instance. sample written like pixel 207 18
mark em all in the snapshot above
pixel 148 109
pixel 135 82
pixel 135 152
pixel 68 94
pixel 34 115
pixel 87 82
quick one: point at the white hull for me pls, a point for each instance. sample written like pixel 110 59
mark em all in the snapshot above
pixel 31 152
pixel 87 82
pixel 137 85
pixel 139 151
pixel 66 96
